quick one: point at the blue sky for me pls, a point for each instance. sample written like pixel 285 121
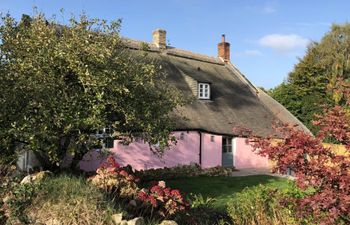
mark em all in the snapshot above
pixel 266 37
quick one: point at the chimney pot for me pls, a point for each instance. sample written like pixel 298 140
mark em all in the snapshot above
pixel 159 38
pixel 223 38
pixel 224 49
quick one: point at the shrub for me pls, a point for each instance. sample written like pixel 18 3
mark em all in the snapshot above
pixel 15 201
pixel 164 200
pixel 263 205
pixel 69 200
pixel 202 212
pixel 315 166
pixel 13 197
pixel 182 171
pixel 114 179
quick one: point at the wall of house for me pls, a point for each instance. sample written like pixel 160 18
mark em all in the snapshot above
pixel 244 157
pixel 212 150
pixel 139 156
pixel 186 151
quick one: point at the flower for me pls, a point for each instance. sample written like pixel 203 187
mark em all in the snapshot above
pixel 153 201
pixel 161 184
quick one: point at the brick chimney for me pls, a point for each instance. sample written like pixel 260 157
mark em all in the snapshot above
pixel 224 49
pixel 159 38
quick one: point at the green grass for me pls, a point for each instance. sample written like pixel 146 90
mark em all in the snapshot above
pixel 223 188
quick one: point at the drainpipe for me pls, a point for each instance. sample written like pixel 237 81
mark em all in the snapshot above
pixel 200 148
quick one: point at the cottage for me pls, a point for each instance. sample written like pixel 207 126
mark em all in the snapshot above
pixel 221 99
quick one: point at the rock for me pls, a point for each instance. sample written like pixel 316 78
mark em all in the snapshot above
pixel 117 218
pixel 37 177
pixel 124 222
pixel 136 221
pixel 168 222
pixel 27 179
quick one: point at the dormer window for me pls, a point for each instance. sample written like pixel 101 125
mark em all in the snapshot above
pixel 203 91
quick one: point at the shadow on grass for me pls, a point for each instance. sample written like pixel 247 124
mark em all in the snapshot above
pixel 222 188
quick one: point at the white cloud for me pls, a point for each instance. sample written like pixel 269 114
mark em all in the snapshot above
pixel 284 43
pixel 252 53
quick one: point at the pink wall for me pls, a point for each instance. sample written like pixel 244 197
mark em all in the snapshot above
pixel 186 151
pixel 211 151
pixel 139 156
pixel 244 157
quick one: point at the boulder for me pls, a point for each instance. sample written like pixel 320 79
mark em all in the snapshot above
pixel 136 221
pixel 117 218
pixel 168 222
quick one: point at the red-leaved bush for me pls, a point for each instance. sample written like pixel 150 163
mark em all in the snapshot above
pixel 164 200
pixel 317 168
pixel 159 198
pixel 114 179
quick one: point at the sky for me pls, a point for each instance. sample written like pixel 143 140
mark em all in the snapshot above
pixel 267 37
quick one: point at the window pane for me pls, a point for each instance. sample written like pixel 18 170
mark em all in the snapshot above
pixel 224 149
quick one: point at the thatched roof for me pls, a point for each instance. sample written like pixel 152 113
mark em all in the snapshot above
pixel 234 100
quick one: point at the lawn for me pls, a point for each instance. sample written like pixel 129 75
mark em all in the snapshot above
pixel 223 188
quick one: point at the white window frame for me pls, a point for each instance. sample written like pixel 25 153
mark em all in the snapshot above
pixel 203 91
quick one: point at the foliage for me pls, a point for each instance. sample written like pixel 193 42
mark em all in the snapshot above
pixel 182 171
pixel 312 83
pixel 203 216
pixel 123 186
pixel 197 200
pixel 16 199
pixel 262 205
pixel 60 83
pixel 67 199
pixel 164 200
pixel 202 211
pixel 316 167
pixel 115 180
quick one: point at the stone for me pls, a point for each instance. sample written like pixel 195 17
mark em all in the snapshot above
pixel 124 222
pixel 117 218
pixel 136 221
pixel 37 177
pixel 168 222
pixel 27 179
